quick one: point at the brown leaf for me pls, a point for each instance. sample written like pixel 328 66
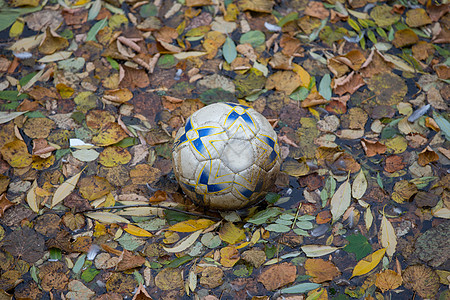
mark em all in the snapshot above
pixel 388 280
pixel 128 260
pixel 427 156
pixel 286 81
pixel 277 276
pixel 317 10
pixel 264 6
pixel 94 187
pixel 373 148
pixel 24 243
pixel 394 163
pixel 422 279
pixel 348 84
pixel 417 17
pixel 321 270
pixel 169 279
pixel 212 277
pixel 4 204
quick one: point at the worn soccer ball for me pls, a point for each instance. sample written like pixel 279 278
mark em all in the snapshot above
pixel 226 157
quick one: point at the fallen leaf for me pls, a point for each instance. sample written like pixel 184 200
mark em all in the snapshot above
pixel 341 200
pixel 191 225
pixel 388 236
pixel 278 276
pixel 321 270
pixel 231 234
pixel 65 189
pixel 388 280
pixel 318 250
pixel 422 279
pixel 229 256
pixel 359 185
pixel 184 243
pixel 368 263
pixel 16 154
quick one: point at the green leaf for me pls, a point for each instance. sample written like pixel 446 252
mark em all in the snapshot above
pixel 114 64
pixel 262 216
pixel 300 94
pixel 325 87
pixel 95 29
pixel 167 61
pixel 359 245
pixel 7 19
pixel 380 181
pixel 255 38
pixel 372 37
pixel 288 18
pixel 180 261
pixel 55 254
pixel 89 274
pixel 12 95
pixel 148 10
pixel 229 50
pixel 278 228
pixel 353 25
pixel 272 197
pixel 79 264
pixel 300 288
pixel 217 95
pixel 381 32
pixel 443 124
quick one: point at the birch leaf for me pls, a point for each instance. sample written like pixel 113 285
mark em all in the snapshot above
pixel 359 186
pixel 184 243
pixel 106 217
pixel 192 280
pixel 368 263
pixel 65 189
pixel 388 237
pixel 341 200
pixel 318 250
pixel 368 218
pixel 31 198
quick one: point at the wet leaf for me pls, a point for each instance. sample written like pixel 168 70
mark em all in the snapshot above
pixel 114 156
pixel 341 200
pixel 231 234
pixel 388 236
pixel 229 50
pixel 229 256
pixel 191 225
pixel 106 217
pixel 325 86
pixel 359 185
pixel 317 250
pixel 65 189
pixel 321 270
pixel 169 279
pixel 422 279
pixel 358 245
pixel 110 134
pixel 184 243
pixel 388 280
pixel 16 154
pixel 136 231
pixel 278 276
pixel 300 288
pixel 368 263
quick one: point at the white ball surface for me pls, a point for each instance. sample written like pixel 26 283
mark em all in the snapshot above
pixel 226 157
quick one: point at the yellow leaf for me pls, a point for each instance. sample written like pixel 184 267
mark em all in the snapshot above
pixel 136 231
pixel 304 76
pixel 388 236
pixel 231 234
pixel 31 198
pixel 341 200
pixel 229 256
pixel 368 263
pixel 191 225
pixel 65 189
pixel 184 243
pixel 16 29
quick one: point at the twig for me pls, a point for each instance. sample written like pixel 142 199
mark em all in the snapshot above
pixel 153 206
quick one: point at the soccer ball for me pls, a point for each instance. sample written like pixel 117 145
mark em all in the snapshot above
pixel 226 156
